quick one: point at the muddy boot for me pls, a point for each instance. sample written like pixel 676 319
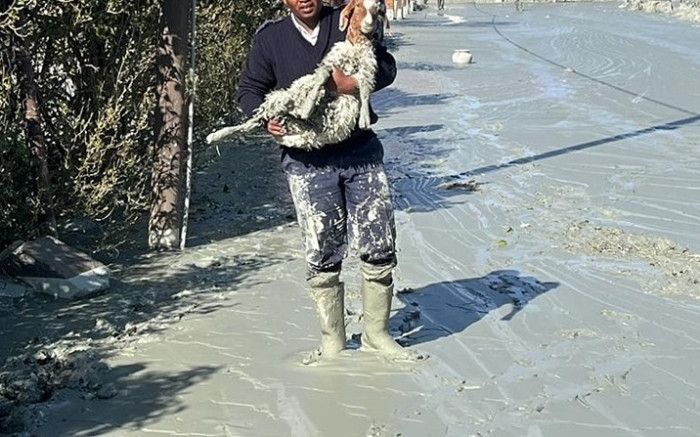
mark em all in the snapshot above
pixel 376 302
pixel 328 294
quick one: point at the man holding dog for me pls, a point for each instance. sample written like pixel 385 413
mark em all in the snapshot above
pixel 340 191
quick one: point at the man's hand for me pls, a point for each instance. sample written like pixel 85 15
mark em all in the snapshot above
pixel 340 83
pixel 275 128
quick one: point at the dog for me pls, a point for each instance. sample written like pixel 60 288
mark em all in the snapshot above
pixel 312 116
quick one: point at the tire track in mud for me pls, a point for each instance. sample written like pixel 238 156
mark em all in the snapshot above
pixel 532 206
pixel 424 194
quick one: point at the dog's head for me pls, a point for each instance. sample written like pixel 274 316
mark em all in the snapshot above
pixel 360 18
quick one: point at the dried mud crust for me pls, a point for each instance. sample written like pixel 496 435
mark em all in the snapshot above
pixel 678 266
pixel 688 11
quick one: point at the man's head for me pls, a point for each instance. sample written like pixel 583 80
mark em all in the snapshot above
pixel 307 11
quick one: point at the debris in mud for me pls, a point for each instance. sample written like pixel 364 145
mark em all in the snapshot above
pixel 31 378
pixel 679 266
pixel 577 333
pixel 689 11
pixel 470 185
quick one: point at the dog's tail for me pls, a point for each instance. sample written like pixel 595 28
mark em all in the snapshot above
pixel 229 131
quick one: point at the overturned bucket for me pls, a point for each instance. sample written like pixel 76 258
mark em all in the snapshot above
pixel 462 56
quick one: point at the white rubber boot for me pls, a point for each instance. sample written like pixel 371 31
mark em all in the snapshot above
pixel 376 302
pixel 328 294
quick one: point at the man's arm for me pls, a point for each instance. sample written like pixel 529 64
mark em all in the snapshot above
pixel 257 78
pixel 386 67
pixel 386 73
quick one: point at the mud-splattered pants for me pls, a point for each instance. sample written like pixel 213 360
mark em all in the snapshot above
pixel 340 204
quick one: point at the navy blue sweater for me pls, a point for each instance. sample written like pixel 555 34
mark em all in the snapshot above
pixel 280 55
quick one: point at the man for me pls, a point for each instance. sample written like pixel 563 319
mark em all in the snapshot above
pixel 337 190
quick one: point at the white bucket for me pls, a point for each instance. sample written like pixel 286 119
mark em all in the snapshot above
pixel 462 56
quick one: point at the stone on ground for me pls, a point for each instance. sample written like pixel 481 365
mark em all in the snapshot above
pixel 50 266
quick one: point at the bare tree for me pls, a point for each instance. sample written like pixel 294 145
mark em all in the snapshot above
pixel 166 218
pixel 35 135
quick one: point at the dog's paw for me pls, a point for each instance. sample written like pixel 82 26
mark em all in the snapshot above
pixel 365 121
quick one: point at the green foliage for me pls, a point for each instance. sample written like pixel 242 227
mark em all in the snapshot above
pixel 225 32
pixel 95 69
pixel 15 192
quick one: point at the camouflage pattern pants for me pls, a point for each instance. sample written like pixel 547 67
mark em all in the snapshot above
pixel 337 205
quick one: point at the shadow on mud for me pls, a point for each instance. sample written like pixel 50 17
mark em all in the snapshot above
pixel 134 398
pixel 394 40
pixel 427 66
pixel 446 308
pixel 240 190
pixel 390 100
pixel 421 184
pixel 417 173
pixel 440 21
pixel 672 125
pixel 51 345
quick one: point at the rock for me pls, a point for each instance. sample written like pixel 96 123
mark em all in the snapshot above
pixel 50 266
pixel 9 288
pixel 80 232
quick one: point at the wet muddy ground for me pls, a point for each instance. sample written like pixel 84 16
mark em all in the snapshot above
pixel 548 225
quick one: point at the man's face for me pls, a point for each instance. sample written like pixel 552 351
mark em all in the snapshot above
pixel 307 11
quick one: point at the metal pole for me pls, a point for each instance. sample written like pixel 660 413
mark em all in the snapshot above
pixel 190 126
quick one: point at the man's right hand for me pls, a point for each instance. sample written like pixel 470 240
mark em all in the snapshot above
pixel 275 128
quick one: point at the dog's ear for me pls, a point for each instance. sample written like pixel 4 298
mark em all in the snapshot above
pixel 345 15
